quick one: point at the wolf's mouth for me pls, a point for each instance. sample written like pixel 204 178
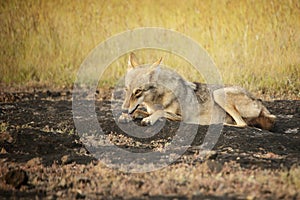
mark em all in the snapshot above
pixel 130 111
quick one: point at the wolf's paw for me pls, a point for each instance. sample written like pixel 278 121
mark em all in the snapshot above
pixel 125 118
pixel 148 121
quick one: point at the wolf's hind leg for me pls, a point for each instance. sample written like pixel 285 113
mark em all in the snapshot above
pixel 222 99
pixel 235 115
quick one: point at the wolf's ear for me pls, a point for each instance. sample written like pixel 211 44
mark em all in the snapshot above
pixel 154 65
pixel 132 61
pixel 153 69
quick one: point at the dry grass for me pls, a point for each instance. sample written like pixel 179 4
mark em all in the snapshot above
pixel 95 181
pixel 255 44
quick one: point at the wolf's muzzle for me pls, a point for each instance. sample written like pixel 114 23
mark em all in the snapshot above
pixel 130 111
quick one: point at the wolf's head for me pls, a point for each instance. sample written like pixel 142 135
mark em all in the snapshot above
pixel 138 85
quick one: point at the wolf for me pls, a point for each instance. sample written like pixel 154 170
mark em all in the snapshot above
pixel 165 94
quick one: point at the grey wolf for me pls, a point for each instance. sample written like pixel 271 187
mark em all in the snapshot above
pixel 164 94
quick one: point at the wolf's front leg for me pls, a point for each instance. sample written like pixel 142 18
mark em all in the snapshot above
pixel 150 120
pixel 138 114
pixel 125 118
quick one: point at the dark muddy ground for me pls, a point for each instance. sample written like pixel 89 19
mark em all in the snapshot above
pixel 43 156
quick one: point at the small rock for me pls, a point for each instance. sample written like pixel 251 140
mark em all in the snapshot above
pixel 3 151
pixel 64 159
pixel 214 166
pixel 208 154
pixel 67 159
pixel 82 151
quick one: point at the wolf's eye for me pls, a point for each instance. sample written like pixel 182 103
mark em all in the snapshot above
pixel 137 92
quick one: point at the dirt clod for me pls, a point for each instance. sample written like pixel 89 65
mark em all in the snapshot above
pixel 16 178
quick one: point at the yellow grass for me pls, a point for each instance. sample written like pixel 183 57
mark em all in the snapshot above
pixel 255 44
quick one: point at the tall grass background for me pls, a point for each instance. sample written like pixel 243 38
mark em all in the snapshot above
pixel 254 43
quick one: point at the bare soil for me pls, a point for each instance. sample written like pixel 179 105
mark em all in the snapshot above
pixel 41 155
